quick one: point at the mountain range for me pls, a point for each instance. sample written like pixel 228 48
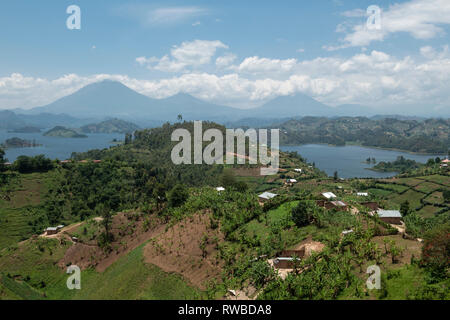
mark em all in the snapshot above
pixel 110 99
pixel 113 99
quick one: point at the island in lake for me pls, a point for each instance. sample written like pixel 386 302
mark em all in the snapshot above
pixel 110 126
pixel 19 143
pixel 63 132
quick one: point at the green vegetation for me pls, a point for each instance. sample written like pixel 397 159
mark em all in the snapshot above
pixel 63 132
pixel 134 206
pixel 400 165
pixel 429 136
pixel 19 143
pixel 110 126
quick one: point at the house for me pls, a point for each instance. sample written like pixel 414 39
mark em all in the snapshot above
pixel 51 230
pixel 287 258
pixel 329 195
pixel 220 189
pixel 291 181
pixel 65 161
pixel 373 206
pixel 390 216
pixel 60 227
pixel 263 197
pixel 445 161
pixel 97 161
pixel 345 232
pixel 329 205
pixel 298 170
pixel 444 165
pixel 362 194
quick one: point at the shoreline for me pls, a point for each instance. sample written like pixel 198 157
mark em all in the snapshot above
pixel 368 147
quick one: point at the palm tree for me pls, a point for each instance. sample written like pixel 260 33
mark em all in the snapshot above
pixel 180 117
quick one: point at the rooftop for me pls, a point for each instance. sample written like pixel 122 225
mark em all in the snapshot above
pixel 329 195
pixel 267 195
pixel 389 213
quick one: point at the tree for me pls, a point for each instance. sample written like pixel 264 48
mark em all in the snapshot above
pixel 301 214
pixel 228 179
pixel 128 138
pixel 2 160
pixel 159 193
pixel 436 251
pixel 335 176
pixel 178 196
pixel 180 117
pixel 405 208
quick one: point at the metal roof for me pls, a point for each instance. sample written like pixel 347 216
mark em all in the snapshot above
pixel 389 213
pixel 329 195
pixel 267 195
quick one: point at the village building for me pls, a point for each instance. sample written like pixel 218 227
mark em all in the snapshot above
pixel 291 181
pixel 362 194
pixel 329 195
pixel 51 230
pixel 390 216
pixel 330 205
pixel 287 258
pixel 373 206
pixel 220 189
pixel 298 170
pixel 266 196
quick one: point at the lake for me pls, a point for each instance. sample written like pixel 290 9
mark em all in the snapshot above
pixel 348 161
pixel 58 148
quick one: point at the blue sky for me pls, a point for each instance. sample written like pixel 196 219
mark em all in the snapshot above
pixel 239 53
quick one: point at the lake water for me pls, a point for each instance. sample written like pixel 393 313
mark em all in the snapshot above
pixel 348 161
pixel 58 148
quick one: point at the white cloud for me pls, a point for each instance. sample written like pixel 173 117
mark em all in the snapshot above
pixel 225 60
pixel 374 78
pixel 196 23
pixel 189 54
pixel 301 50
pixel 257 65
pixel 149 15
pixel 421 19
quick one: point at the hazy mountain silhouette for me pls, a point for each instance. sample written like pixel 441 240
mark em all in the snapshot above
pixel 111 99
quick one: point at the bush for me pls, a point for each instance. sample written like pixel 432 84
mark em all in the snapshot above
pixel 302 214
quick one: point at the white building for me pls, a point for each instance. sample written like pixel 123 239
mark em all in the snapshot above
pixel 329 195
pixel 267 196
pixel 362 194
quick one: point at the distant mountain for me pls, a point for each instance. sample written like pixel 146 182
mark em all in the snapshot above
pixel 9 120
pixel 63 132
pixel 298 105
pixel 27 129
pixel 110 126
pixel 113 99
pixel 397 117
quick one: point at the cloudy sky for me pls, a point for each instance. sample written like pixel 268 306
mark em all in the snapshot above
pixel 237 53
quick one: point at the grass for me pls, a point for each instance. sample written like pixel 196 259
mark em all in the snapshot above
pixel 394 187
pixel 438 179
pixel 33 265
pixel 427 187
pixel 401 282
pixel 428 211
pixel 412 196
pixel 379 192
pixel 435 198
pixel 17 214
